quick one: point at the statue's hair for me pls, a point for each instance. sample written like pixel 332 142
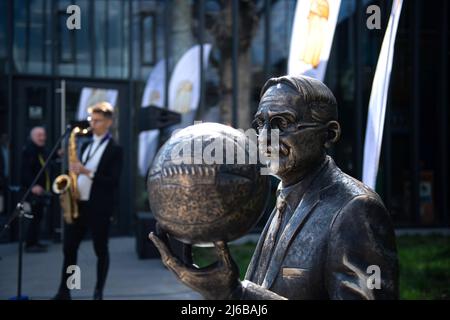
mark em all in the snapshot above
pixel 320 101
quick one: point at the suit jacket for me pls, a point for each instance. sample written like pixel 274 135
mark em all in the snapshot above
pixel 106 179
pixel 31 166
pixel 339 229
pixel 2 171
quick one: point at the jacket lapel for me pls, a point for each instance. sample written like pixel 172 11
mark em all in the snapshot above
pixel 250 274
pixel 307 205
pixel 105 154
pixel 304 209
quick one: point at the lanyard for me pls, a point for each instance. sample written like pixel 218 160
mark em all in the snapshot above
pixel 89 155
pixel 47 177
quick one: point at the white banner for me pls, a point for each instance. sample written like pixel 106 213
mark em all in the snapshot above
pixel 312 37
pixel 184 87
pixel 378 99
pixel 154 89
pixel 91 96
pixel 184 96
pixel 153 96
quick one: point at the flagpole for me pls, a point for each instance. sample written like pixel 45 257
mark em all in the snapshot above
pixel 62 91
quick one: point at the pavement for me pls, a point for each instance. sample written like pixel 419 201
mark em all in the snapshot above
pixel 129 278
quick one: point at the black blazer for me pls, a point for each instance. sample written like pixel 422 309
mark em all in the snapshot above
pixel 106 179
pixel 31 166
pixel 339 229
pixel 2 171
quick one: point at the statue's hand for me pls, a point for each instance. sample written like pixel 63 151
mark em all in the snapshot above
pixel 215 282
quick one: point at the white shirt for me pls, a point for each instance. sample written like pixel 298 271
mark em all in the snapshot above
pixel 96 152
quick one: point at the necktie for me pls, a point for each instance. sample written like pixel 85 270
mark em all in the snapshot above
pixel 270 242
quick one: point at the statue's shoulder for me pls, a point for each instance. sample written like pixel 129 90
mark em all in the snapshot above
pixel 355 201
pixel 350 187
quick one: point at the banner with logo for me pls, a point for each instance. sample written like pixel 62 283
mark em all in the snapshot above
pixel 91 96
pixel 312 37
pixel 378 99
pixel 184 87
pixel 153 96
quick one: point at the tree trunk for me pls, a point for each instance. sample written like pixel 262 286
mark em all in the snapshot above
pixel 223 35
pixel 182 38
pixel 244 90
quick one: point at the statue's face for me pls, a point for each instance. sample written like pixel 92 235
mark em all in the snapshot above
pixel 301 140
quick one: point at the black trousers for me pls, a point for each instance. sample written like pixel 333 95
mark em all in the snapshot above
pixel 37 209
pixel 98 224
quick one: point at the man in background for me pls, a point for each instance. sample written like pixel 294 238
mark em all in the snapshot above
pixel 34 155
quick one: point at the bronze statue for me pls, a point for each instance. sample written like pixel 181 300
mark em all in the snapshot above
pixel 196 195
pixel 329 235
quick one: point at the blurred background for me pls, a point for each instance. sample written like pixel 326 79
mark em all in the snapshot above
pixel 121 42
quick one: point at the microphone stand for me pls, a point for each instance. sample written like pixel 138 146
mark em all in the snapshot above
pixel 19 212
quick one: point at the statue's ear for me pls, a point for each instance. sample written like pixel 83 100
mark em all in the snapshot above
pixel 333 133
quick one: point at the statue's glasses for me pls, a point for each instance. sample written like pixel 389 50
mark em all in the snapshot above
pixel 283 125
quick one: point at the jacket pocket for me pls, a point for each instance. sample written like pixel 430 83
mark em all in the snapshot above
pixel 294 272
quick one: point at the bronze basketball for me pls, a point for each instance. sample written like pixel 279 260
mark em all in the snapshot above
pixel 197 194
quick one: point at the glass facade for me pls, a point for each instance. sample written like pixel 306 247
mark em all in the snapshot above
pixel 121 41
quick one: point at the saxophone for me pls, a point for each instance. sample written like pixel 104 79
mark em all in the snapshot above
pixel 65 185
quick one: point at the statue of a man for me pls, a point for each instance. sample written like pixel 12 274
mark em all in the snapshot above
pixel 329 236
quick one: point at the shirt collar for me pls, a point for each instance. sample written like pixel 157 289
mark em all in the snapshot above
pixel 297 190
pixel 99 138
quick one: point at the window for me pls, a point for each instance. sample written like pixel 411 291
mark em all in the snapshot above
pixel 3 31
pixel 66 40
pixel 148 38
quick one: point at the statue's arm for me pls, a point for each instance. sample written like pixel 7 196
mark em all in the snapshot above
pixel 362 241
pixel 248 290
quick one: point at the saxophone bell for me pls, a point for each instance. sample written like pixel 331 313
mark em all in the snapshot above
pixel 65 185
pixel 61 184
